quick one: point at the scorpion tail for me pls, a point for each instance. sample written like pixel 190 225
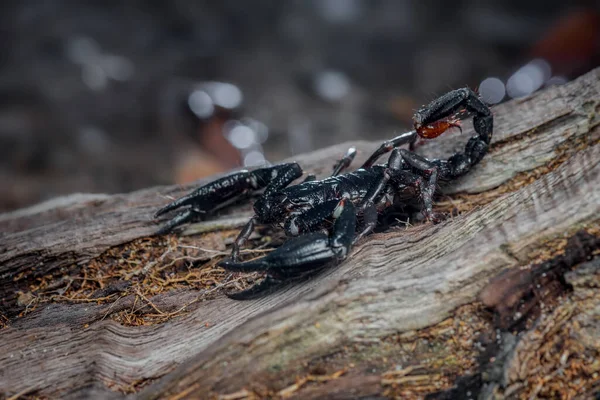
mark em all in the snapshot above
pixel 433 119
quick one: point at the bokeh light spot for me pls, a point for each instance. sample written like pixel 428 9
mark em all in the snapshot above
pixel 226 95
pixel 528 78
pixel 254 158
pixel 201 104
pixel 332 85
pixel 492 90
pixel 242 137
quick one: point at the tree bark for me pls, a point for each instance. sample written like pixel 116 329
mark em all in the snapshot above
pixel 414 311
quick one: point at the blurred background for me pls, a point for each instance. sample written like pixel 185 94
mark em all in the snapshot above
pixel 112 96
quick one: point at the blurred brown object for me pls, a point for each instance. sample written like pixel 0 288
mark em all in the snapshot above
pixel 194 164
pixel 212 154
pixel 211 135
pixel 403 107
pixel 572 44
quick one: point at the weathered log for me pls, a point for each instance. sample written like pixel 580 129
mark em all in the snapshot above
pixel 539 185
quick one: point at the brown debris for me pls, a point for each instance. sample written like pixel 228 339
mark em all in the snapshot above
pixel 143 270
pixel 514 293
pixel 290 390
pixel 560 357
pixel 408 365
pixel 438 355
pixel 133 387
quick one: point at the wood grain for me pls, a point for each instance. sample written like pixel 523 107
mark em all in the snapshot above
pixel 393 282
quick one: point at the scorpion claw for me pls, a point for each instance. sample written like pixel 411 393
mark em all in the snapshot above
pixel 175 204
pixel 187 215
pixel 301 255
pixel 293 258
pixel 250 266
pixel 296 258
pixel 179 219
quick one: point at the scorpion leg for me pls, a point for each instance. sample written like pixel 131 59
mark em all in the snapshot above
pixel 310 178
pixel 429 170
pixel 302 254
pixel 398 175
pixel 242 237
pixel 310 219
pixel 389 145
pixel 367 206
pixel 226 190
pixel 402 163
pixel 344 162
pixel 339 166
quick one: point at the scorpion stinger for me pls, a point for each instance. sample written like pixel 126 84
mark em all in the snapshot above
pixel 321 215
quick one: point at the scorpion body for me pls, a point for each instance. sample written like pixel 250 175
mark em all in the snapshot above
pixel 322 216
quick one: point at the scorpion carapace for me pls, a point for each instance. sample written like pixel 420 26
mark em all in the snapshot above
pixel 306 210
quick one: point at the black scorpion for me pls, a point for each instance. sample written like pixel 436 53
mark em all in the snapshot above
pixel 306 210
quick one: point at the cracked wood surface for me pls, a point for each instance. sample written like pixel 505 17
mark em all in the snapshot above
pixel 393 282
